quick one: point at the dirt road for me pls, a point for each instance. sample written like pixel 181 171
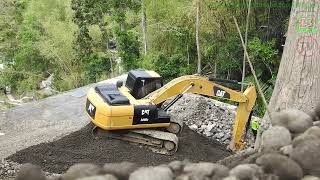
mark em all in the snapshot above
pixel 43 121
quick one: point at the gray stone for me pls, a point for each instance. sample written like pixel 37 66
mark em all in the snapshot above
pixel 316 113
pixel 315 130
pixel 176 165
pixel 102 177
pixel 246 171
pixel 286 150
pixel 275 138
pixel 316 123
pixel 219 172
pixel 30 172
pixel 193 127
pixel 230 178
pixel 183 177
pixel 121 170
pixel 205 169
pixel 282 166
pixel 310 178
pixel 154 173
pixel 307 154
pixel 294 120
pixel 312 133
pixel 82 170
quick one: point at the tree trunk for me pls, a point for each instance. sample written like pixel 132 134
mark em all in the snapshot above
pixel 298 81
pixel 246 42
pixel 144 27
pixel 197 36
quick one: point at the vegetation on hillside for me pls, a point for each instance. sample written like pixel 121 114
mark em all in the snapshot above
pixel 82 42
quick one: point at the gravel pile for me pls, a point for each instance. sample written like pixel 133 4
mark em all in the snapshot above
pixel 209 117
pixel 8 169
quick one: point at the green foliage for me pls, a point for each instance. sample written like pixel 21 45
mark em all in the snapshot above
pixel 72 39
pixel 129 50
pixel 169 67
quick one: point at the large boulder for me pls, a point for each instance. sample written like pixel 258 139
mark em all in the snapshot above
pixel 154 173
pixel 30 172
pixel 310 178
pixel 312 133
pixel 307 154
pixel 316 114
pixel 205 169
pixel 282 166
pixel 274 138
pixel 121 170
pixel 294 120
pixel 247 172
pixel 101 177
pixel 82 170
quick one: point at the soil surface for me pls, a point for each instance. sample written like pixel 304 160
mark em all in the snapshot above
pixel 43 121
pixel 80 146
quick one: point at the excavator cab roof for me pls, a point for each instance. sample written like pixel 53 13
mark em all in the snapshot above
pixel 141 82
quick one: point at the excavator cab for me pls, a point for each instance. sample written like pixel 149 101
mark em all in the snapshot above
pixel 141 82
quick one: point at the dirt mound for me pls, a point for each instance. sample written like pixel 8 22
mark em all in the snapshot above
pixel 79 147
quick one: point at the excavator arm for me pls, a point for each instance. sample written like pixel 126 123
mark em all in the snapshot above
pixel 203 86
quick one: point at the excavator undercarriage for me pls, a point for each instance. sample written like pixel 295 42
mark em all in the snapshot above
pixel 133 110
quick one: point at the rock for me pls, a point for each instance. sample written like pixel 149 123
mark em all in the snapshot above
pixel 315 130
pixel 210 127
pixel 316 113
pixel 230 178
pixel 193 127
pixel 183 177
pixel 176 165
pixel 303 138
pixel 121 170
pixel 282 166
pixel 286 150
pixel 219 172
pixel 312 133
pixel 30 172
pixel 82 170
pixel 275 138
pixel 307 155
pixel 294 120
pixel 205 169
pixel 102 177
pixel 246 171
pixel 154 173
pixel 310 178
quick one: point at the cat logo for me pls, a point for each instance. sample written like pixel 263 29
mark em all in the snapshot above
pixel 220 93
pixel 91 108
pixel 147 112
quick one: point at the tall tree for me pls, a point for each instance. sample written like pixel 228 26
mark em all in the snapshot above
pixel 197 35
pixel 298 82
pixel 144 26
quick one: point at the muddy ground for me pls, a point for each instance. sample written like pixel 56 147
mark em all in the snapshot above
pixel 80 146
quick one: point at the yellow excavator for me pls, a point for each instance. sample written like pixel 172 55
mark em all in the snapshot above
pixel 133 110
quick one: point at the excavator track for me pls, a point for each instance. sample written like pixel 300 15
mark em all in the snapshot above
pixel 176 126
pixel 156 140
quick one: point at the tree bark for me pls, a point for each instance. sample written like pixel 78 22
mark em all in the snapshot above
pixel 197 36
pixel 298 81
pixel 144 27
